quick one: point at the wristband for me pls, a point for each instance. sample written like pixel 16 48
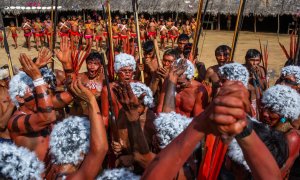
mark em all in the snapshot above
pixel 248 129
pixel 39 82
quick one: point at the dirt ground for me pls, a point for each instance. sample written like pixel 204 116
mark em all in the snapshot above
pixel 210 40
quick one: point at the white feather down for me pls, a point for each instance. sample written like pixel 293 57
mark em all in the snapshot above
pixel 291 70
pixel 235 72
pixel 118 174
pixel 140 88
pixel 282 100
pixel 4 73
pixel 19 163
pixel 190 71
pixel 70 140
pixel 124 60
pixel 169 126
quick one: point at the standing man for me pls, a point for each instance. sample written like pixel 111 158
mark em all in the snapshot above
pixel 26 27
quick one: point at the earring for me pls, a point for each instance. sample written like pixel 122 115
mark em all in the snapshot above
pixel 283 120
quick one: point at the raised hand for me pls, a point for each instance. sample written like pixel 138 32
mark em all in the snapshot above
pixel 227 112
pixel 161 73
pixel 178 69
pixel 44 57
pixel 81 92
pixel 29 67
pixel 64 53
pixel 129 101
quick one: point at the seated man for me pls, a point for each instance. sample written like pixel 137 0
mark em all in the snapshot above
pixel 222 54
pixel 77 145
pixel 182 94
pixel 30 125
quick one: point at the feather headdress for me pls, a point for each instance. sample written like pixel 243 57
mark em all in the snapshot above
pixel 70 140
pixel 19 163
pixel 118 174
pixel 291 70
pixel 169 126
pixel 235 72
pixel 190 71
pixel 140 88
pixel 124 60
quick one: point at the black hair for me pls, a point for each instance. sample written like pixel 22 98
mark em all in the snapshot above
pixel 222 49
pixel 252 53
pixel 148 46
pixel 183 37
pixel 171 52
pixel 274 140
pixel 94 56
pixel 187 49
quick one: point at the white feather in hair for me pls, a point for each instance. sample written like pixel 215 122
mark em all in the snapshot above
pixel 19 163
pixel 169 126
pixel 282 100
pixel 140 88
pixel 4 73
pixel 118 174
pixel 291 70
pixel 124 60
pixel 70 140
pixel 235 72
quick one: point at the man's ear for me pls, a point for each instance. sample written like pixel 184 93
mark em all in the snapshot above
pixel 20 99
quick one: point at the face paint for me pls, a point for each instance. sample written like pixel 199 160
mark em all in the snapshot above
pixel 125 74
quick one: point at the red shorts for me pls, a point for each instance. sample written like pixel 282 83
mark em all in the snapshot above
pixel 151 34
pixel 63 34
pixel 116 37
pixel 1 39
pixel 123 36
pixel 72 33
pixel 28 34
pixel 105 34
pixel 14 35
pixel 163 37
pixel 98 38
pixel 173 37
pixel 133 35
pixel 41 34
pixel 88 36
pixel 143 38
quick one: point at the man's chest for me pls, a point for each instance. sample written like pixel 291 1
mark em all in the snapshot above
pixel 185 101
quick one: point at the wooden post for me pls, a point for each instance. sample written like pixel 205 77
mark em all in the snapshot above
pixel 17 23
pixel 254 23
pixel 278 23
pixel 219 22
pixel 83 15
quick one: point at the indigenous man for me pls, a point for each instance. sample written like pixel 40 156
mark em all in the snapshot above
pixel 152 26
pixel 174 34
pixel 38 27
pixel 13 30
pixel 48 30
pixel 258 77
pixel 143 34
pixel 6 105
pixel 74 31
pixel 124 36
pixel 222 54
pixel 132 34
pixel 183 94
pixel 64 28
pixel 124 67
pixel 30 125
pixel 99 33
pixel 187 29
pixel 89 32
pixel 115 33
pixel 163 35
pixel 26 27
pixel 93 79
pixel 182 40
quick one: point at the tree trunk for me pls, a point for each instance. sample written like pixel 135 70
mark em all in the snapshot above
pixel 254 23
pixel 219 22
pixel 278 23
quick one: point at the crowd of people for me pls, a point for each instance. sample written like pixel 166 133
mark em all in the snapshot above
pixel 164 118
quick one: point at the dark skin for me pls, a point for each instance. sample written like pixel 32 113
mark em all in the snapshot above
pixel 29 125
pixel 92 162
pixel 224 116
pixel 191 97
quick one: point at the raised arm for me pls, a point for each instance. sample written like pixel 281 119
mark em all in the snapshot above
pixel 45 112
pixel 92 162
pixel 219 118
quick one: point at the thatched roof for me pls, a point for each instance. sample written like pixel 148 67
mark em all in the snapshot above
pixel 256 7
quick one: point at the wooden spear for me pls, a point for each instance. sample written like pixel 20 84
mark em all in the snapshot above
pixel 54 31
pixel 136 18
pixel 238 27
pixel 111 43
pixel 198 27
pixel 10 66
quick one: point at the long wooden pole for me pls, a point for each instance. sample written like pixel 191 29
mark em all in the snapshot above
pixel 54 31
pixel 238 27
pixel 111 43
pixel 198 21
pixel 136 18
pixel 10 66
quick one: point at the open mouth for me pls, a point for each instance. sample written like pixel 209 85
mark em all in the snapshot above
pixel 92 73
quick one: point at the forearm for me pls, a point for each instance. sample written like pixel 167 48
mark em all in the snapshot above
pixel 44 103
pixel 137 138
pixel 169 100
pixel 259 158
pixel 154 84
pixel 169 161
pixel 5 117
pixel 98 139
pixel 60 100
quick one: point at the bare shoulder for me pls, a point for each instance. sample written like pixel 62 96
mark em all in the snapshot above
pixel 293 136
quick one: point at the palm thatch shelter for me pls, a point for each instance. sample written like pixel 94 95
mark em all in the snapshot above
pixel 255 8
